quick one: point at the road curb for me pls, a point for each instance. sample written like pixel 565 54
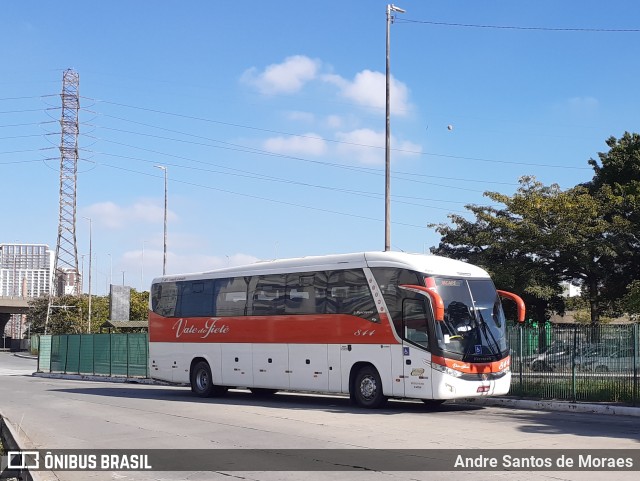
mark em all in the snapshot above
pixel 90 377
pixel 563 406
pixel 11 442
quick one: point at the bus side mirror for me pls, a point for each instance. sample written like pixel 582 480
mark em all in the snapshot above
pixel 519 303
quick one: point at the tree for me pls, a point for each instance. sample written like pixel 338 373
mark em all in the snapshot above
pixel 70 314
pixel 543 235
pixel 500 241
pixel 139 305
pixel 632 300
pixel 617 175
pixel 65 315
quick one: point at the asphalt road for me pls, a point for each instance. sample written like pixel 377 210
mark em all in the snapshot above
pixel 69 414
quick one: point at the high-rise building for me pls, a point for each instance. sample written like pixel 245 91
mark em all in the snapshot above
pixel 26 270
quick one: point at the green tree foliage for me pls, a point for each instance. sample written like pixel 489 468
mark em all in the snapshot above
pixel 502 240
pixel 65 315
pixel 139 305
pixel 617 176
pixel 543 235
pixel 70 314
pixel 632 300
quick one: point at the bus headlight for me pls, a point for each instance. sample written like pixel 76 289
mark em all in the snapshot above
pixel 447 370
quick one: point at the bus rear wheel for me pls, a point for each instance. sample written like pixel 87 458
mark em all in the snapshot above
pixel 202 381
pixel 367 388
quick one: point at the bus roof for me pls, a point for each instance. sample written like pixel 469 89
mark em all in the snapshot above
pixel 427 264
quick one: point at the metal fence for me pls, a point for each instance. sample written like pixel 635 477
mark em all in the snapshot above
pixel 99 354
pixel 576 362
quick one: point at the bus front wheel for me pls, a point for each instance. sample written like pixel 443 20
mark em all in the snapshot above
pixel 202 381
pixel 368 388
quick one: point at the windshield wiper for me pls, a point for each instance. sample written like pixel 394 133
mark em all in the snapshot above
pixel 487 332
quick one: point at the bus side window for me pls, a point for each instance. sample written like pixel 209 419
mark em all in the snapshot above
pixel 196 299
pixel 388 279
pixel 414 320
pixel 164 298
pixel 349 294
pixel 231 297
pixel 269 295
pixel 301 293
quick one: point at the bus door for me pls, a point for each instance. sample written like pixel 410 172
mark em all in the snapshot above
pixel 415 345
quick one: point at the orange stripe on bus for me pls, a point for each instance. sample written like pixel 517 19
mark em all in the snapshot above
pixel 474 368
pixel 296 329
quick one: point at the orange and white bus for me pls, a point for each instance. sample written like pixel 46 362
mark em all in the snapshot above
pixel 373 325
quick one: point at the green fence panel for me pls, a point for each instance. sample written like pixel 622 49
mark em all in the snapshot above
pixel 44 354
pixel 138 354
pixel 576 362
pixel 86 354
pixel 102 354
pixel 119 354
pixel 34 344
pixel 73 354
pixel 58 353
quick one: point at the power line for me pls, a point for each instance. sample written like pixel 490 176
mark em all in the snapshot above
pixel 368 171
pixel 251 196
pixel 21 111
pixel 405 151
pixel 251 175
pixel 25 98
pixel 27 124
pixel 515 27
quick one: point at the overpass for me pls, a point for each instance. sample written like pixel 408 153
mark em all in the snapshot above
pixel 11 305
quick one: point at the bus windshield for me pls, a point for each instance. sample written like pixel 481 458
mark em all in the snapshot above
pixel 474 326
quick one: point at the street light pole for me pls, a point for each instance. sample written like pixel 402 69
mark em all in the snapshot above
pixel 387 144
pixel 110 271
pixel 90 259
pixel 164 259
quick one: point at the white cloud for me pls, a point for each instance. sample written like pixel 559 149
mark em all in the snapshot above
pixel 366 146
pixel 286 77
pixel 113 216
pixel 334 121
pixel 368 89
pixel 306 144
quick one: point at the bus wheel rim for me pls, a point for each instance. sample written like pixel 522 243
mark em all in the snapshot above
pixel 368 387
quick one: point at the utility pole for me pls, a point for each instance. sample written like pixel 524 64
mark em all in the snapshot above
pixel 90 258
pixel 164 259
pixel 387 144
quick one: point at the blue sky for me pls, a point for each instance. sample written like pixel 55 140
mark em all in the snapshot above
pixel 269 117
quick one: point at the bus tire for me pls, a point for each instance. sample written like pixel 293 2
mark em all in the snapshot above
pixel 367 388
pixel 202 381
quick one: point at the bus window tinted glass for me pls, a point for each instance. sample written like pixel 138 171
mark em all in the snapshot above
pixel 196 299
pixel 415 321
pixel 306 293
pixel 388 280
pixel 163 298
pixel 348 293
pixel 231 296
pixel 269 295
